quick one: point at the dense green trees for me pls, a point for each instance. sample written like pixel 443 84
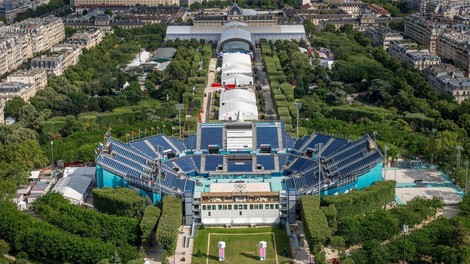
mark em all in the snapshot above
pixel 170 221
pixel 441 241
pixel 56 210
pixel 42 241
pixel 315 224
pixel 119 201
pixel 148 224
pixel 364 201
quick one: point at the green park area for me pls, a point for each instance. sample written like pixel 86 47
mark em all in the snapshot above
pixel 241 245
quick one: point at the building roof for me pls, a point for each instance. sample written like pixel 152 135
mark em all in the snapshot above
pixel 237 68
pixel 164 53
pixel 218 30
pixel 238 111
pixel 34 175
pixel 237 79
pixel 236 58
pixel 240 187
pixel 239 95
pixel 73 187
pixel 80 171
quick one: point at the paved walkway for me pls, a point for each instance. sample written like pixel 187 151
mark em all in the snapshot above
pixel 208 92
pixel 265 88
pixel 153 255
pixel 183 255
pixel 300 253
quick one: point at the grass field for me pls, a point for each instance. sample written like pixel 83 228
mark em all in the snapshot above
pixel 241 245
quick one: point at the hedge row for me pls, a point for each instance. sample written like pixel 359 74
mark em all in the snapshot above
pixel 362 202
pixel 119 201
pixel 44 241
pixel 56 210
pixel 148 224
pixel 315 223
pixel 170 221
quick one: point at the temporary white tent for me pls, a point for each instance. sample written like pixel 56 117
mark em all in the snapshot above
pixel 237 79
pixel 238 105
pixel 238 95
pixel 238 111
pixel 236 59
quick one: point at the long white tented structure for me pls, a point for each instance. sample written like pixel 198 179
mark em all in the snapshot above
pixel 236 69
pixel 238 105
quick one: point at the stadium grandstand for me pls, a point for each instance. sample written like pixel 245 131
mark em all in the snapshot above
pixel 240 173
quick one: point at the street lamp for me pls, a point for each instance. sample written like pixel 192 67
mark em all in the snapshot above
pixel 179 107
pixel 459 155
pixel 466 176
pixel 297 105
pixel 52 158
pixel 405 231
pixel 433 144
pixel 386 160
pixel 319 147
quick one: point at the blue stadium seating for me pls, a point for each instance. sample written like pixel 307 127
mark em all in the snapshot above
pixel 178 144
pixel 266 160
pixel 190 142
pixel 189 187
pixel 212 161
pixel 246 166
pixel 186 164
pixel 143 147
pixel 118 167
pixel 300 142
pixel 211 135
pixel 130 153
pixel 319 138
pixel 282 160
pixel 333 146
pixel 197 161
pixel 159 140
pixel 267 135
pixel 290 183
pixel 130 162
pixel 367 162
pixel 300 164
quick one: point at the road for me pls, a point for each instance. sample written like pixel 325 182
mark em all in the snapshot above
pixel 265 88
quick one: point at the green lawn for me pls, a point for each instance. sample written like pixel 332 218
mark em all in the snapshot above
pixel 241 245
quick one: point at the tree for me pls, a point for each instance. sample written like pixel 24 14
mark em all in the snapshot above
pixel 13 106
pixel 29 117
pixel 379 92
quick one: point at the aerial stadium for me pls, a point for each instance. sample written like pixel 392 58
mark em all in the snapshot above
pixel 242 173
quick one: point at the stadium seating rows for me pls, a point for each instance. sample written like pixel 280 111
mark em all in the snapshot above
pixel 266 160
pixel 246 166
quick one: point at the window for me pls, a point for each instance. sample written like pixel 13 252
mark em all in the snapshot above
pixel 225 207
pixel 220 207
pixel 235 206
pixel 230 207
pixel 245 207
pixel 271 206
pixel 266 206
pixel 251 207
pixel 213 207
pixel 240 213
pixel 209 213
pixel 256 207
pixel 203 207
pixel 277 206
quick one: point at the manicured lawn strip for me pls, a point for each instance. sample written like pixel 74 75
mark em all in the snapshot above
pixel 282 241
